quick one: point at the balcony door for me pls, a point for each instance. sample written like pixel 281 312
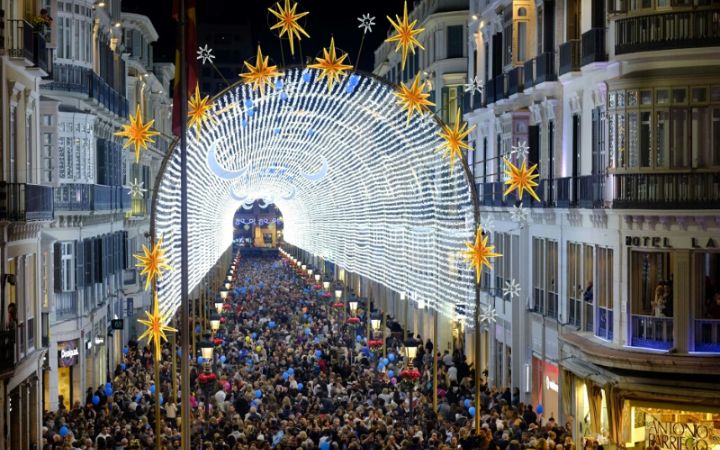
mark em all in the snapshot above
pixel 575 170
pixel 572 29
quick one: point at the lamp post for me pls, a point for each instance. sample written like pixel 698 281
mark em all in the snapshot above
pixel 208 377
pixel 219 304
pixel 215 321
pixel 223 294
pixel 411 347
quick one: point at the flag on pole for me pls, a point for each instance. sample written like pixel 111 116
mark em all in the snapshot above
pixel 191 69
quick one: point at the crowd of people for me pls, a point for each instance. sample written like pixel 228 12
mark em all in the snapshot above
pixel 290 373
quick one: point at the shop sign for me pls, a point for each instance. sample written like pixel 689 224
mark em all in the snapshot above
pixel 550 384
pixel 68 353
pixel 664 242
pixel 678 436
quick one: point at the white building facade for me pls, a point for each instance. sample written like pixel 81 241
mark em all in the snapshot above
pixel 617 263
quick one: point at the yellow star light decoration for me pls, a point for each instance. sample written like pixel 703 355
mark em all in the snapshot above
pixel 199 110
pixel 521 179
pixel 138 133
pixel 261 74
pixel 330 65
pixel 413 97
pixel 455 139
pixel 405 36
pixel 478 254
pixel 152 263
pixel 288 22
pixel 155 327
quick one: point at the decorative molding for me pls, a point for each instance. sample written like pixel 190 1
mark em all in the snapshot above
pixel 550 107
pixel 599 95
pixel 575 103
pixel 535 114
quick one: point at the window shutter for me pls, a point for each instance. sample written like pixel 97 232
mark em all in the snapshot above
pixel 88 261
pixel 98 260
pixel 57 267
pixel 79 265
pixel 125 255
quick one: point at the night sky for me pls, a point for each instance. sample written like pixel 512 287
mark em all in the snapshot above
pixel 326 18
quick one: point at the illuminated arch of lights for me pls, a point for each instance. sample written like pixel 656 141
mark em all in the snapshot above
pixel 355 184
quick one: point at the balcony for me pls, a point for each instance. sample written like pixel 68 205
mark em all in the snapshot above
pixel 690 190
pixel 26 202
pixel 570 56
pixel 543 191
pixel 500 92
pixel 529 73
pixel 593 46
pixel 707 335
pixel 84 81
pixel 590 191
pixel 673 30
pixel 652 332
pixel 23 40
pixel 515 81
pixel 490 92
pixel 545 68
pixel 471 101
pixel 7 351
pixel 564 192
pixel 91 198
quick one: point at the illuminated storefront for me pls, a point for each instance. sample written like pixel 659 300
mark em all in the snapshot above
pixel 68 372
pixel 672 429
pixel 545 387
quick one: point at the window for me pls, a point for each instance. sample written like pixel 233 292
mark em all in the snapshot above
pixel 545 277
pixel 47 159
pixel 651 299
pixel 67 265
pixel 451 98
pixel 455 42
pixel 707 301
pixel 28 149
pixel 12 153
pixel 680 130
pixel 522 42
pixel 605 292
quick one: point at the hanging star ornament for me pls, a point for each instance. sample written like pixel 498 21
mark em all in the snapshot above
pixel 455 139
pixel 487 223
pixel 261 74
pixel 511 289
pixel 330 66
pixel 519 214
pixel 487 315
pixel 413 97
pixel 138 133
pixel 155 327
pixel 475 85
pixel 520 150
pixel 521 179
pixel 136 189
pixel 205 55
pixel 199 110
pixel 288 23
pixel 406 34
pixel 152 263
pixel 366 23
pixel 478 254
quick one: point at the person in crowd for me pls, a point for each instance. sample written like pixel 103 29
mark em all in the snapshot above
pixel 292 374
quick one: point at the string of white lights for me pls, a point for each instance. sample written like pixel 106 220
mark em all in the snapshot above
pixel 369 193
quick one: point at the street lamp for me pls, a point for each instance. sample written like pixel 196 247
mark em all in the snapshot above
pixel 304 267
pixel 215 322
pixel 338 294
pixel 206 350
pixel 227 285
pixel 223 294
pixel 353 305
pixel 411 348
pixel 326 285
pixel 219 304
pixel 317 277
pixel 375 321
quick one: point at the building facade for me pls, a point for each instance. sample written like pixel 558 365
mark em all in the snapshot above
pixel 70 225
pixel 618 104
pixel 25 211
pixel 443 63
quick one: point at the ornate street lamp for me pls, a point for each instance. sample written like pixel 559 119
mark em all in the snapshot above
pixel 317 277
pixel 206 350
pixel 326 285
pixel 228 285
pixel 338 293
pixel 223 294
pixel 353 306
pixel 214 322
pixel 219 304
